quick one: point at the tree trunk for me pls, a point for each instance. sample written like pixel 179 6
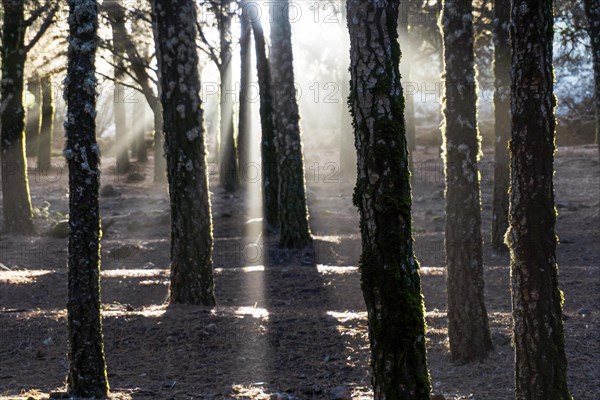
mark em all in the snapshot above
pixel 293 211
pixel 389 271
pixel 139 126
pixel 592 12
pixel 405 66
pixel 160 162
pixel 468 328
pixel 270 179
pixel 117 17
pixel 540 361
pixel 44 153
pixel 191 223
pixel 500 33
pixel 229 171
pixel 245 118
pixel 18 217
pixel 87 367
pixel 32 127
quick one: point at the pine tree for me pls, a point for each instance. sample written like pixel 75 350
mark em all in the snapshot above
pixel 44 151
pixel 540 361
pixel 500 33
pixel 270 179
pixel 191 222
pixel 87 368
pixel 592 12
pixel 389 271
pixel 18 217
pixel 293 211
pixel 468 328
pixel 229 168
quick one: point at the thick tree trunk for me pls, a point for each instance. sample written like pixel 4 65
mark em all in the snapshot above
pixel 18 217
pixel 32 127
pixel 270 179
pixel 592 12
pixel 191 223
pixel 347 149
pixel 540 361
pixel 293 211
pixel 468 328
pixel 160 162
pixel 87 367
pixel 229 169
pixel 44 151
pixel 117 17
pixel 389 270
pixel 500 33
pixel 245 118
pixel 405 67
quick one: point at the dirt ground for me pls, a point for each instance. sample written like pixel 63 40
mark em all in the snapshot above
pixel 288 325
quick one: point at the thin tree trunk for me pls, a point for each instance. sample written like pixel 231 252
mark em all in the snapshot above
pixel 592 12
pixel 245 118
pixel 540 361
pixel 44 153
pixel 160 162
pixel 293 211
pixel 389 271
pixel 270 179
pixel 139 124
pixel 191 222
pixel 229 171
pixel 500 32
pixel 18 217
pixel 468 328
pixel 32 127
pixel 87 367
pixel 122 142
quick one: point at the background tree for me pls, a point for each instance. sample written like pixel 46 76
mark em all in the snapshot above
pixel 33 118
pixel 501 122
pixel 191 222
pixel 468 328
pixel 228 154
pixel 389 271
pixel 592 12
pixel 18 217
pixel 540 361
pixel 87 367
pixel 44 150
pixel 293 211
pixel 245 113
pixel 270 178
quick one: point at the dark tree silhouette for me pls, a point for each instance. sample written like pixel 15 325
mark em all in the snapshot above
pixel 245 117
pixel 191 222
pixel 293 211
pixel 87 367
pixel 44 151
pixel 500 33
pixel 34 113
pixel 389 271
pixel 270 179
pixel 468 328
pixel 540 361
pixel 229 168
pixel 592 12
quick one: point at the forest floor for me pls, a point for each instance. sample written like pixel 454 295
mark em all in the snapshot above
pixel 287 325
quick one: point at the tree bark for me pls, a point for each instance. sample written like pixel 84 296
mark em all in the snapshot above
pixel 468 328
pixel 245 117
pixel 87 368
pixel 44 153
pixel 500 33
pixel 540 361
pixel 270 179
pixel 592 12
pixel 389 271
pixel 293 211
pixel 191 222
pixel 229 171
pixel 32 127
pixel 18 217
